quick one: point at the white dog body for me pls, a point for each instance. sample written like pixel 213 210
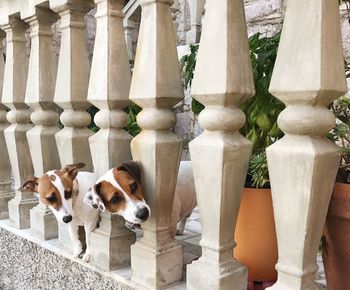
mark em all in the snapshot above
pixel 185 199
pixel 83 215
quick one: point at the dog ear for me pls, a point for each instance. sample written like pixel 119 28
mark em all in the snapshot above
pixel 72 174
pixel 93 198
pixel 131 167
pixel 30 185
pixel 71 170
pixel 69 167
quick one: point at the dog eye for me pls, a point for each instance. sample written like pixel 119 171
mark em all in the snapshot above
pixel 133 186
pixel 67 194
pixel 51 198
pixel 116 199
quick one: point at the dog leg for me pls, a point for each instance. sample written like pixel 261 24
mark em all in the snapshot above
pixel 181 226
pixel 77 247
pixel 88 229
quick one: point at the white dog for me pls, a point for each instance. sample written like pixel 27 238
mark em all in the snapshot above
pixel 63 192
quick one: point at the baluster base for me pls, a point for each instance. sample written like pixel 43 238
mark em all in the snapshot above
pixel 5 196
pixel 204 274
pixel 19 209
pixel 110 252
pixel 292 282
pixel 65 239
pixel 43 223
pixel 64 235
pixel 154 268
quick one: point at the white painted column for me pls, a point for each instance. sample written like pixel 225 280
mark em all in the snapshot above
pixel 196 12
pixel 109 91
pixel 157 260
pixel 220 156
pixel 39 96
pixel 71 89
pixel 5 167
pixel 308 75
pixel 72 83
pixel 15 79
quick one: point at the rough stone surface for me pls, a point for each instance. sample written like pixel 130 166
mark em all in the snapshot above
pixel 25 265
pixel 264 16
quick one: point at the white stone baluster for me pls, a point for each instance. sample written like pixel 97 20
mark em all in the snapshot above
pixel 39 96
pixel 220 155
pixel 109 91
pixel 196 12
pixel 71 89
pixel 5 167
pixel 72 82
pixel 129 27
pixel 308 75
pixel 15 79
pixel 157 260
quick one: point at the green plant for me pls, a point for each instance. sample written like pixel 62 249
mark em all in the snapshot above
pixel 340 134
pixel 92 126
pixel 261 110
pixel 187 66
pixel 132 127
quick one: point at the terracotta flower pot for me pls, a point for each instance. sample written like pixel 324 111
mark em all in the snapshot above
pixel 336 239
pixel 256 235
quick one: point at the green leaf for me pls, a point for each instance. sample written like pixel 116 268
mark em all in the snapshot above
pixel 263 122
pixel 197 107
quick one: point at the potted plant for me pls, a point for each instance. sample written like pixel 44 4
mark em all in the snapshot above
pixel 255 230
pixel 336 236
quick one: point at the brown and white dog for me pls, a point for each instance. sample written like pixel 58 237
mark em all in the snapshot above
pixel 119 191
pixel 63 192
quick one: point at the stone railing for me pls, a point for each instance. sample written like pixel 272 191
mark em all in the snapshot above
pixel 308 75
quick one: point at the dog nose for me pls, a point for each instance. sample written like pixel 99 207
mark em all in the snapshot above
pixel 67 219
pixel 142 214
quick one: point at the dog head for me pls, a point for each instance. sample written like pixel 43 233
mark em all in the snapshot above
pixel 55 189
pixel 119 191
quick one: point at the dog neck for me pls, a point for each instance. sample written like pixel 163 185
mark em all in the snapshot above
pixel 75 192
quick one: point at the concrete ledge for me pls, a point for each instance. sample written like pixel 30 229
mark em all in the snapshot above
pixel 31 264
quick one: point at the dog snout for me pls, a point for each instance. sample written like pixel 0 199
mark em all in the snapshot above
pixel 95 206
pixel 67 219
pixel 142 213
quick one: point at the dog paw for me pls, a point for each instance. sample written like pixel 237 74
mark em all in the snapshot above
pixel 86 257
pixel 77 251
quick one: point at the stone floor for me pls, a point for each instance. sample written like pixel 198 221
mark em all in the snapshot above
pixel 190 241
